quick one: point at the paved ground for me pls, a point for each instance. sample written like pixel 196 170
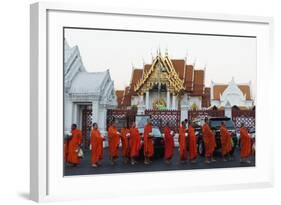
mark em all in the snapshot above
pixel 157 165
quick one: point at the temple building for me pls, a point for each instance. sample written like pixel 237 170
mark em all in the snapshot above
pixel 87 95
pixel 232 94
pixel 165 84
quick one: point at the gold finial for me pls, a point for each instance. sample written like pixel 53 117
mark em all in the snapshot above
pixel 159 51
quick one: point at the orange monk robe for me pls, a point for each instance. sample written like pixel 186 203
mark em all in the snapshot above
pixel 245 143
pixel 148 141
pixel 97 146
pixel 73 145
pixel 169 143
pixel 209 140
pixel 113 141
pixel 182 143
pixel 135 142
pixel 226 146
pixel 192 143
pixel 125 142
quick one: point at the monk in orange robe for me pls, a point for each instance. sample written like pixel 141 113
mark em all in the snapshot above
pixel 192 143
pixel 113 142
pixel 226 145
pixel 169 143
pixel 97 146
pixel 182 142
pixel 125 134
pixel 148 142
pixel 209 142
pixel 135 143
pixel 74 145
pixel 245 145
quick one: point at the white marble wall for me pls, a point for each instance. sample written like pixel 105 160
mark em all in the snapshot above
pixel 67 116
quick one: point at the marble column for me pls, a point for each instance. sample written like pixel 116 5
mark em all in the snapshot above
pixel 168 99
pixel 95 112
pixel 228 110
pixel 147 100
pixel 75 113
pixel 184 108
pixel 141 106
pixel 102 119
pixel 68 116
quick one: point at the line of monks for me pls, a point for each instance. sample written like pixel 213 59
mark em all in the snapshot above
pixel 131 144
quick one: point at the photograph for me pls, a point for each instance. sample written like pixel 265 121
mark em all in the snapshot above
pixel 151 101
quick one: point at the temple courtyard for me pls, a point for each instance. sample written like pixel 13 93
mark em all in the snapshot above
pixel 157 165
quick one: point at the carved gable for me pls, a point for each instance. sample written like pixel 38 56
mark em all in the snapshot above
pixel 160 73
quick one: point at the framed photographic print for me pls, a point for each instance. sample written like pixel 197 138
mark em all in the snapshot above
pixel 150 101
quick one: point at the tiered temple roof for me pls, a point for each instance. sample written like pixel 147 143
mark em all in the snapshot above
pixel 220 88
pixel 187 79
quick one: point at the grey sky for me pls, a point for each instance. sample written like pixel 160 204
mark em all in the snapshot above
pixel 224 57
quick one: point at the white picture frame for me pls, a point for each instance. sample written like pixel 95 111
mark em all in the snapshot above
pixel 46 179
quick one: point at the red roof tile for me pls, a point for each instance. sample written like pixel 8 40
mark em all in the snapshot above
pixel 119 95
pixel 188 77
pixel 136 76
pixel 179 66
pixel 198 82
pixel 246 91
pixel 126 101
pixel 146 67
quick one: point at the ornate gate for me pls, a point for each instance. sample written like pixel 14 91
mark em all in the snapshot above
pixel 248 117
pixel 159 118
pixel 193 114
pixel 86 124
pixel 122 117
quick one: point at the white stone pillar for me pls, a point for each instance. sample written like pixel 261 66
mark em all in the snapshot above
pixel 95 112
pixel 67 116
pixel 174 102
pixel 74 113
pixel 228 111
pixel 184 108
pixel 141 106
pixel 147 100
pixel 102 119
pixel 168 99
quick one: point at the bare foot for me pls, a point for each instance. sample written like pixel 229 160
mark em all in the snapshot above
pixel 248 162
pixel 146 162
pixel 207 162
